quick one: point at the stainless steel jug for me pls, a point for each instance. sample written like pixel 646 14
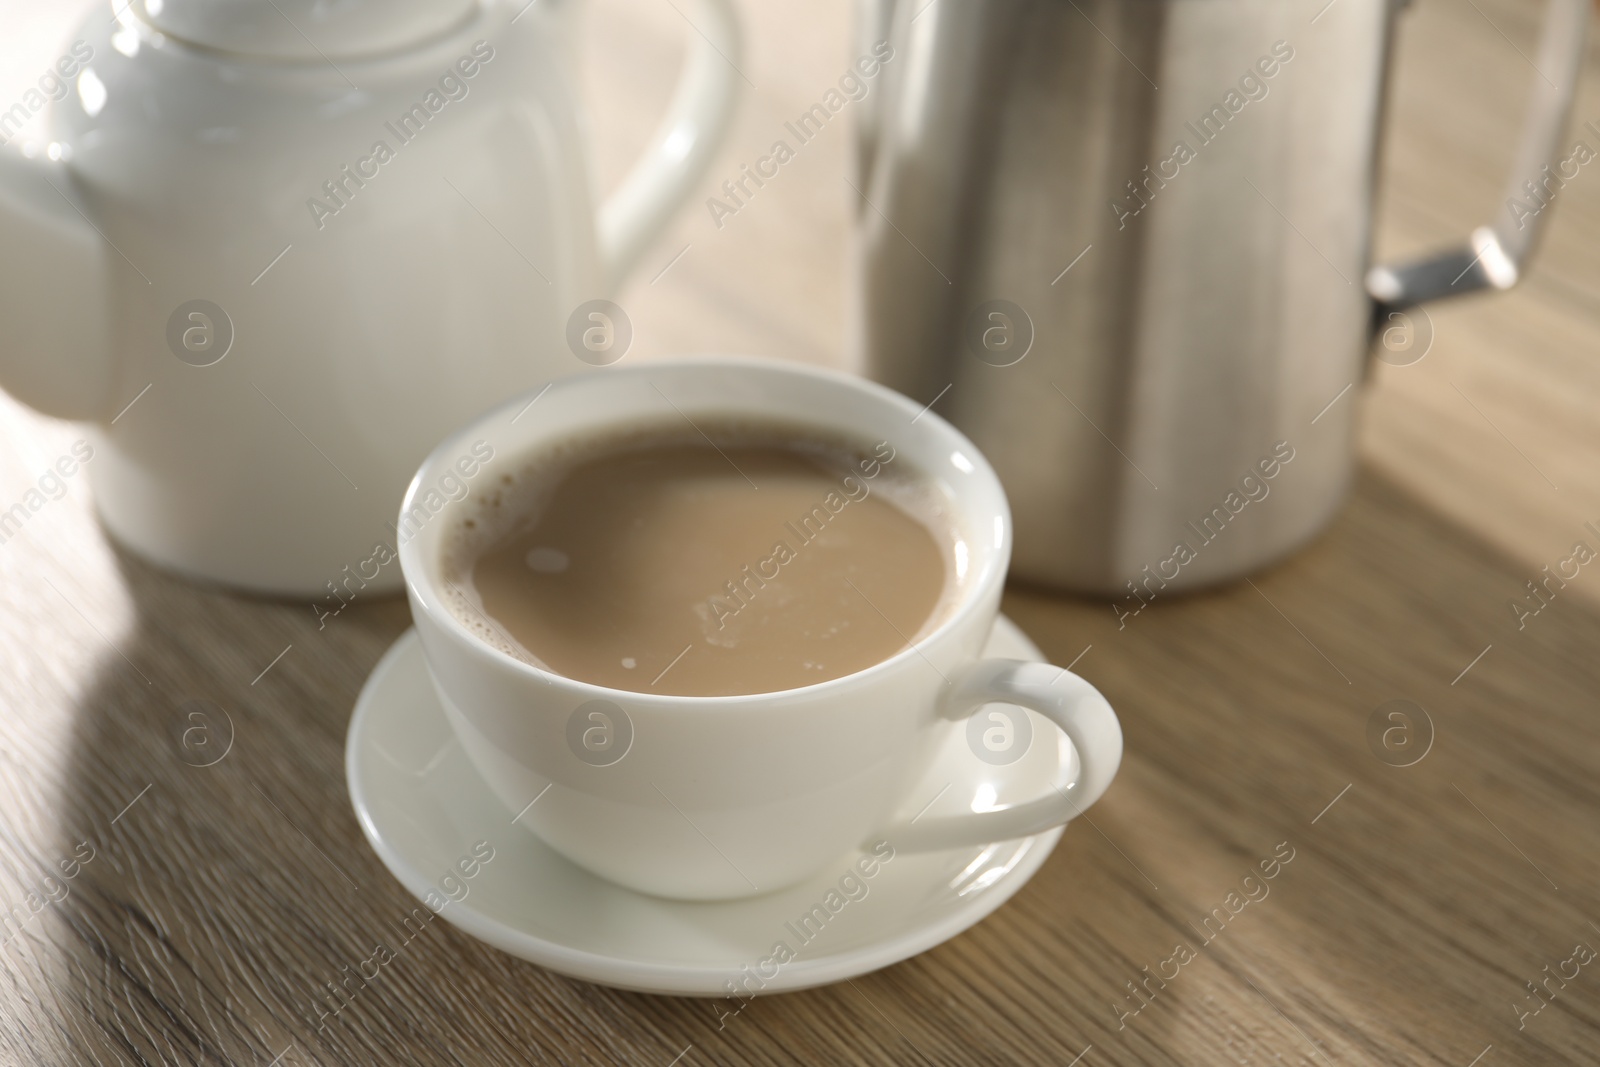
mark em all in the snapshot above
pixel 1124 246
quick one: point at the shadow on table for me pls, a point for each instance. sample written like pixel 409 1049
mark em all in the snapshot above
pixel 228 892
pixel 206 780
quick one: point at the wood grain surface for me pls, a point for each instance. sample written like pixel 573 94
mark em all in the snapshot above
pixel 168 912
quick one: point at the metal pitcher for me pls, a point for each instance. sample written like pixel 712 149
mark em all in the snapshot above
pixel 1125 246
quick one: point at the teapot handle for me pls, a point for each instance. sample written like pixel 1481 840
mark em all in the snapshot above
pixel 1496 256
pixel 659 182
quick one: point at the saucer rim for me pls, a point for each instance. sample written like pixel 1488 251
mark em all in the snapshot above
pixel 644 976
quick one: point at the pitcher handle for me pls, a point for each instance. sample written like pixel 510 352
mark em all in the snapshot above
pixel 640 208
pixel 1496 256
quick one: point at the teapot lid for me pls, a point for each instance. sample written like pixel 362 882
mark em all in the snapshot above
pixel 304 29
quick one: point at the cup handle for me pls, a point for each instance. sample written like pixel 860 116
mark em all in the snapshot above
pixel 684 145
pixel 1077 709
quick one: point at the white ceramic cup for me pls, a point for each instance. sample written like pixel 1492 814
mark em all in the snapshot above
pixel 708 798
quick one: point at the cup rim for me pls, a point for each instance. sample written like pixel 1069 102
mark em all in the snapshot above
pixel 420 579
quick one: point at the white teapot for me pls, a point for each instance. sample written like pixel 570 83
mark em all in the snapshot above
pixel 274 250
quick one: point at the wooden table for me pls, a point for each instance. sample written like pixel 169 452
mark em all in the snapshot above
pixel 1419 900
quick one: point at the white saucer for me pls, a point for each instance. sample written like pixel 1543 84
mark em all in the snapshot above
pixel 423 808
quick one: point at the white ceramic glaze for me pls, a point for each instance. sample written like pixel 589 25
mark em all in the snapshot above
pixel 424 808
pixel 185 161
pixel 722 797
pixel 304 29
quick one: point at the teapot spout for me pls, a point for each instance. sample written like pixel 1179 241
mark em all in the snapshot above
pixel 55 353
